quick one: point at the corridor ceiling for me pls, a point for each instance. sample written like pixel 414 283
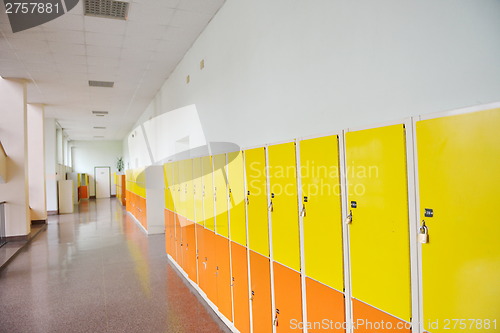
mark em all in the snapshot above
pixel 60 57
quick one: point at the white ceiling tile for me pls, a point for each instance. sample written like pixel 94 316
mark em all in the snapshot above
pixel 35 57
pixel 150 14
pixel 103 51
pixel 67 36
pixel 109 40
pixel 67 48
pixel 45 75
pixel 140 43
pixel 201 6
pixel 29 45
pixel 104 25
pixel 145 28
pixel 37 66
pixel 70 59
pixel 64 22
pixel 7 54
pixel 71 68
pixel 188 19
pixel 105 61
pixel 136 54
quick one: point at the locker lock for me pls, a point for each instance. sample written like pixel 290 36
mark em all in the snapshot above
pixel 423 233
pixel 253 294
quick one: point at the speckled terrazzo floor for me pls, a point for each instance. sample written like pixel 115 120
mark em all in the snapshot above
pixel 96 271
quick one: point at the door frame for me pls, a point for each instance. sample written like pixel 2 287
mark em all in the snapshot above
pixel 95 180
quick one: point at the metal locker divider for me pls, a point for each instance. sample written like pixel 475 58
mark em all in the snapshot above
pixel 377 190
pixel 282 168
pixel 458 165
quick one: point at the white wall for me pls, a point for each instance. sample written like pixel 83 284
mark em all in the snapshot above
pixel 281 69
pixel 89 154
pixel 13 131
pixel 36 162
pixel 50 164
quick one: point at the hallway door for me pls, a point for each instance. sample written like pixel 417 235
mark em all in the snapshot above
pixel 102 182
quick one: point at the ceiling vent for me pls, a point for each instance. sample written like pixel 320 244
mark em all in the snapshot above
pixel 99 127
pixel 107 9
pixel 98 137
pixel 104 84
pixel 100 113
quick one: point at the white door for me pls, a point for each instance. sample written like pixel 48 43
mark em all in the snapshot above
pixel 102 182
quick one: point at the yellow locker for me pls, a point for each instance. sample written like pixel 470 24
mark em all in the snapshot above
pixel 188 177
pixel 208 192
pixel 198 191
pixel 182 188
pixel 236 178
pixel 458 169
pixel 176 187
pixel 256 185
pixel 220 188
pixel 169 201
pixel 379 232
pixel 284 210
pixel 321 206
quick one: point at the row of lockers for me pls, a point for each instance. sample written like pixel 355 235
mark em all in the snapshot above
pixel 327 230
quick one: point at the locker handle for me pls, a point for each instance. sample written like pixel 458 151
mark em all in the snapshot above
pixel 275 322
pixel 348 219
pixel 270 206
pixel 303 211
pixel 253 294
pixel 248 200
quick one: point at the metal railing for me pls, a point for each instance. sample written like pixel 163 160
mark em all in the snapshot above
pixel 3 239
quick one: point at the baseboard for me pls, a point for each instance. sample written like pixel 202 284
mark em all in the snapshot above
pixel 38 221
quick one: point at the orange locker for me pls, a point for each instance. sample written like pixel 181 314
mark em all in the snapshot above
pixel 223 276
pixel 169 232
pixel 260 275
pixel 190 251
pixel 200 254
pixel 288 298
pixel 209 263
pixel 178 240
pixel 325 308
pixel 371 320
pixel 240 287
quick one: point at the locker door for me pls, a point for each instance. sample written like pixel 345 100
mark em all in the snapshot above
pixel 210 265
pixel 182 188
pixel 190 251
pixel 284 216
pixel 288 298
pixel 240 287
pixel 220 189
pixel 262 313
pixel 324 303
pixel 319 162
pixel 236 177
pixel 258 229
pixel 379 232
pixel 198 191
pixel 201 255
pixel 169 232
pixel 176 187
pixel 223 276
pixel 188 179
pixel 208 192
pixel 458 168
